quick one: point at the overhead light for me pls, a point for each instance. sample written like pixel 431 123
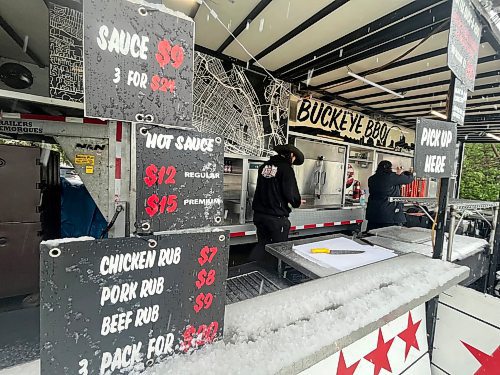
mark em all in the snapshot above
pixel 375 84
pixel 439 114
pixel 496 137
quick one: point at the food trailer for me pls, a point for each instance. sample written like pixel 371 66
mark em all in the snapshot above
pixel 174 176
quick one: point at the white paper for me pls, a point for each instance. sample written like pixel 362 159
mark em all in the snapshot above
pixel 346 262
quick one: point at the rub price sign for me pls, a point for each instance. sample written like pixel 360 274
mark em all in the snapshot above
pixel 179 179
pixel 119 305
pixel 138 62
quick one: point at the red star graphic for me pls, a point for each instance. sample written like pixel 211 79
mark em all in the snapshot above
pixel 379 356
pixel 409 335
pixel 342 369
pixel 489 363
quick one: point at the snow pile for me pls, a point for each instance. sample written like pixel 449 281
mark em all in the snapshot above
pixel 162 8
pixel 400 240
pixel 463 246
pixel 274 331
pixel 57 242
pixel 30 368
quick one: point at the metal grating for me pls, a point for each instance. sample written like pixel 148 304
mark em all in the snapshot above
pixel 248 285
pixel 458 204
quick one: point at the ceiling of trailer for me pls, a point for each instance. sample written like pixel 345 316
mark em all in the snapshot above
pixel 400 44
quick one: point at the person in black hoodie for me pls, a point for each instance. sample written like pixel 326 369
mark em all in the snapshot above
pixel 384 184
pixel 276 191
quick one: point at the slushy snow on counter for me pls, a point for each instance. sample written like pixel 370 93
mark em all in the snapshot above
pixel 272 332
pixel 57 242
pixel 276 331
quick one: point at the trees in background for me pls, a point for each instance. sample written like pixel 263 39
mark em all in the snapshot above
pixel 481 172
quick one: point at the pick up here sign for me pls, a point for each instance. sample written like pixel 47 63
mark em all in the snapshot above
pixel 435 148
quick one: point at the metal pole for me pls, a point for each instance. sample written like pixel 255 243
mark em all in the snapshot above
pixel 459 169
pixel 444 183
pixel 451 234
pixel 494 251
pixel 443 188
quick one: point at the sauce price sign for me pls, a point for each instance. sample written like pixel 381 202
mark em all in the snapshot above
pixel 119 305
pixel 179 179
pixel 435 148
pixel 463 42
pixel 138 63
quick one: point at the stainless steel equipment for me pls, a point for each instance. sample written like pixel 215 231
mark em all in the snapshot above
pixel 321 178
pixel 233 175
pixel 253 173
pixel 29 212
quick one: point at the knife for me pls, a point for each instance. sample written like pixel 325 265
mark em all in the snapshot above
pixel 323 250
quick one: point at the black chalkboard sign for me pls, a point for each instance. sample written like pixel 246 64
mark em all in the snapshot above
pixel 66 50
pixel 117 305
pixel 179 179
pixel 459 102
pixel 435 148
pixel 138 63
pixel 463 42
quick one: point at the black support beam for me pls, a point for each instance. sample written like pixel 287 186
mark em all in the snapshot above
pixel 365 109
pixel 487 86
pixel 396 64
pixel 230 59
pixel 490 74
pixel 20 42
pixel 425 112
pixel 360 51
pixel 438 101
pixel 441 104
pixel 425 73
pixel 242 26
pixel 318 16
pixel 361 32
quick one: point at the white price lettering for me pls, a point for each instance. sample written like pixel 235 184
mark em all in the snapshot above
pixel 83 367
pixel 117 75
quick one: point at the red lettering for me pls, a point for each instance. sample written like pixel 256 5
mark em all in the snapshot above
pixel 205 278
pixel 172 203
pixel 155 82
pixel 203 301
pixel 151 178
pixel 171 172
pixel 167 54
pixel 152 205
pixel 195 337
pixel 155 204
pixel 153 175
pixel 207 254
pixel 177 55
pixel 163 55
pixel 162 84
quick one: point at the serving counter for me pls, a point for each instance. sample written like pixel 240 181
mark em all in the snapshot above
pixel 318 326
pixel 279 333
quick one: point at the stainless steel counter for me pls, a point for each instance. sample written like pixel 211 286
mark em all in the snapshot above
pixel 285 253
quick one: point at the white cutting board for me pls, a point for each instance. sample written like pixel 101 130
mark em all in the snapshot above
pixel 346 262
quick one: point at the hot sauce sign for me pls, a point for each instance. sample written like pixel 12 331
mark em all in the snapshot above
pixel 138 63
pixel 179 180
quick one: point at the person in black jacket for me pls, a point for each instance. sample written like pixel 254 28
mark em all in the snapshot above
pixel 384 184
pixel 275 192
